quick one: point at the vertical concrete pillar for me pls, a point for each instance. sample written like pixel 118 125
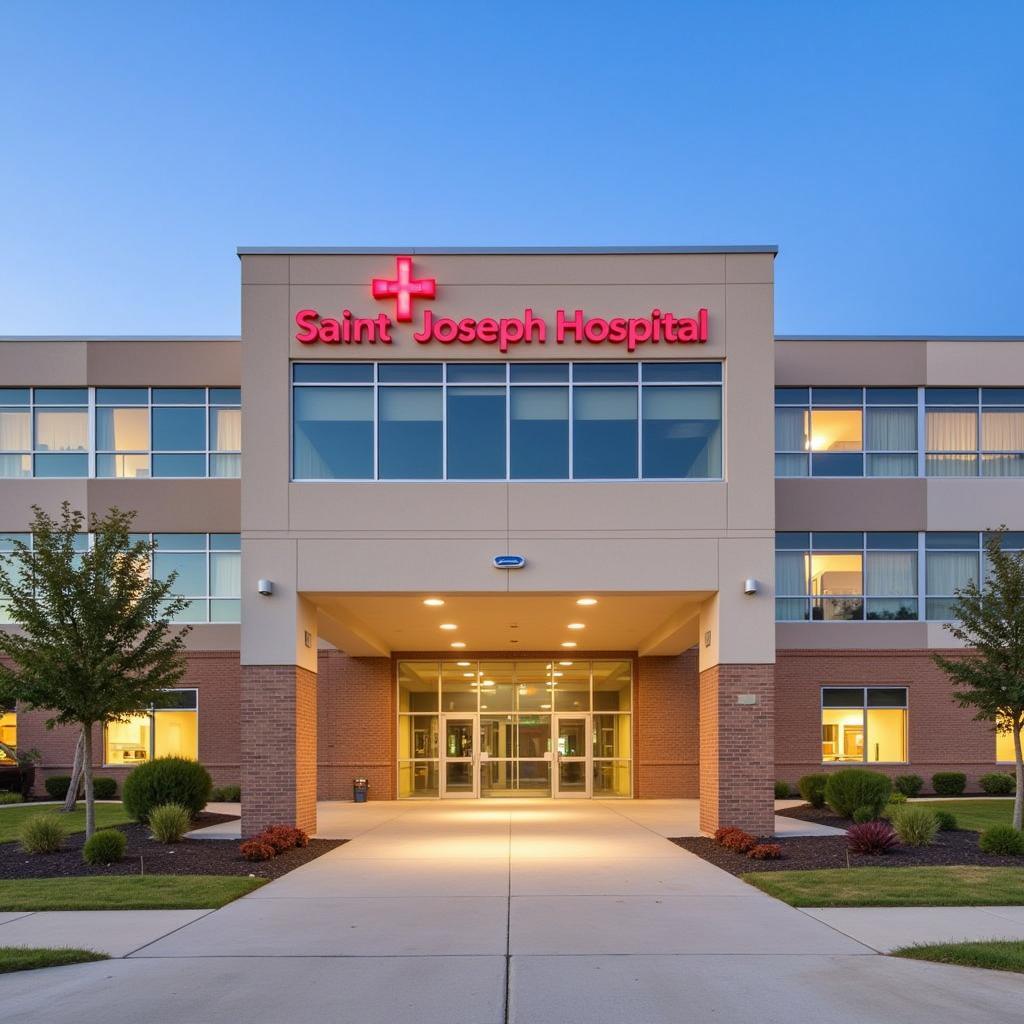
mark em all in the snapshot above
pixel 737 760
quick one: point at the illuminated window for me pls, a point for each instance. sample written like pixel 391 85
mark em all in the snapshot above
pixel 8 735
pixel 845 432
pixel 170 730
pixel 975 431
pixel 864 724
pixel 1004 747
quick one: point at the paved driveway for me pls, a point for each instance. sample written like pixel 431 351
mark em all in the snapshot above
pixel 497 911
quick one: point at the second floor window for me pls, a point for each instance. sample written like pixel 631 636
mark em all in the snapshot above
pixel 507 421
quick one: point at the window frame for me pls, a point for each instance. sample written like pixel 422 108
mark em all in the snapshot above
pixel 982 403
pixel 864 707
pixel 569 383
pixel 152 711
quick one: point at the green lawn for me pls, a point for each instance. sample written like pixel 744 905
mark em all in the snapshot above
pixel 24 958
pixel 125 892
pixel 12 817
pixel 996 955
pixel 975 814
pixel 894 887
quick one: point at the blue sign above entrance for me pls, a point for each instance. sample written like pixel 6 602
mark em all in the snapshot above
pixel 509 561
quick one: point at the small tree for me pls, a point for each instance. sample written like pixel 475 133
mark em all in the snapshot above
pixel 94 643
pixel 989 616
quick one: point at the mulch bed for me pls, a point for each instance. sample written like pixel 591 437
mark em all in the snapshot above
pixel 800 853
pixel 144 855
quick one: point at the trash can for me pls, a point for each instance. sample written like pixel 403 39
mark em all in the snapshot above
pixel 359 788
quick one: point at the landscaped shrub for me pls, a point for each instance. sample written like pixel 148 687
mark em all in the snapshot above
pixel 908 785
pixel 284 837
pixel 226 794
pixel 42 833
pixel 812 788
pixel 897 798
pixel 11 798
pixel 947 821
pixel 871 838
pixel 1002 840
pixel 256 849
pixel 721 833
pixel 104 847
pixel 104 787
pixel 166 780
pixel 169 822
pixel 857 787
pixel 863 814
pixel 915 825
pixel 998 783
pixel 56 786
pixel 739 841
pixel 782 790
pixel 949 783
pixel 765 851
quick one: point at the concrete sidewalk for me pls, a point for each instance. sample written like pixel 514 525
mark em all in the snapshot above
pixel 497 911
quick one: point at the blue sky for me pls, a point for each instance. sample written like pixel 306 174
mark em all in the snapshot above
pixel 879 145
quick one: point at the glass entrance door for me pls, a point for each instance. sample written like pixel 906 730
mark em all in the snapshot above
pixel 572 755
pixel 459 756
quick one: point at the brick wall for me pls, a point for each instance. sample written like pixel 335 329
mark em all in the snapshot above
pixel 666 717
pixel 279 740
pixel 942 736
pixel 736 757
pixel 215 674
pixel 356 726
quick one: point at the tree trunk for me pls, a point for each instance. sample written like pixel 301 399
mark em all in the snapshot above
pixel 76 777
pixel 1018 799
pixel 90 804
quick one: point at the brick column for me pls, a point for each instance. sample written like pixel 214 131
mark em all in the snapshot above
pixel 279 711
pixel 736 748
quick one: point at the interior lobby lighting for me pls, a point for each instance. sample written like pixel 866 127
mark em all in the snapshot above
pixel 565 663
pixel 458 643
pixel 468 675
pixel 434 602
pixel 449 626
pixel 577 625
pixel 568 643
pixel 586 602
pixel 463 664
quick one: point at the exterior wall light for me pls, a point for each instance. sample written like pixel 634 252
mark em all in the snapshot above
pixel 265 587
pixel 750 586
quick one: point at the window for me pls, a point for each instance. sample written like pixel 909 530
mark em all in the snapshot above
pixel 974 431
pixel 209 568
pixel 845 432
pixel 507 421
pixel 167 729
pixel 839 577
pixel 864 723
pixel 1004 747
pixel 952 560
pixel 8 734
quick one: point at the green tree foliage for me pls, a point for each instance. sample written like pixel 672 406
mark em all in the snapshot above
pixel 94 643
pixel 990 678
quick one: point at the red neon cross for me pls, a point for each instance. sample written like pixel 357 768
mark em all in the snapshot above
pixel 404 288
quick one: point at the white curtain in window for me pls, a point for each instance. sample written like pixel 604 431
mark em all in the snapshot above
pixel 947 570
pixel 951 465
pixel 952 431
pixel 1002 431
pixel 790 572
pixel 227 430
pixel 226 574
pixel 15 432
pixel 64 430
pixel 1002 465
pixel 790 430
pixel 892 573
pixel 892 465
pixel 892 430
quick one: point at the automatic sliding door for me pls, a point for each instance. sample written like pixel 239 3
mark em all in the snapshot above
pixel 572 749
pixel 459 760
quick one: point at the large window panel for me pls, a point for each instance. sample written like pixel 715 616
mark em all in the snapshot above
pixel 604 433
pixel 682 432
pixel 410 433
pixel 539 443
pixel 333 438
pixel 476 433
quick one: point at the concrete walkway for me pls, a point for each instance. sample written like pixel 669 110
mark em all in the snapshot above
pixel 496 911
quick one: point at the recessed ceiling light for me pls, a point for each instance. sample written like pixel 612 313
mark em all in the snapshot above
pixel 463 664
pixel 545 707
pixel 577 625
pixel 565 663
pixel 557 674
pixel 458 643
pixel 487 682
pixel 468 675
pixel 586 601
pixel 449 626
pixel 434 602
pixel 568 643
